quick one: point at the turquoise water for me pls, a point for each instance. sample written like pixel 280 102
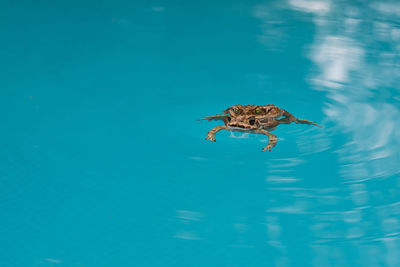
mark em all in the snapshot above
pixel 104 164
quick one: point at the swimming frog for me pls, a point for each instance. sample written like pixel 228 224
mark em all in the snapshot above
pixel 255 119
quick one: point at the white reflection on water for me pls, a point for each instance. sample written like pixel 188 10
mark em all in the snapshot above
pixel 387 8
pixel 188 223
pixel 355 81
pixel 312 140
pixel 281 170
pixel 53 260
pixel 356 62
pixel 317 7
pixel 274 231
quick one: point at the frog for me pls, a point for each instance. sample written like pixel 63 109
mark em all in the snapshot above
pixel 256 119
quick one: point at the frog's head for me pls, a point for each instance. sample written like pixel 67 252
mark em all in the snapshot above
pixel 241 117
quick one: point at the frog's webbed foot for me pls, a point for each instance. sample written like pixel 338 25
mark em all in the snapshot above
pixel 211 137
pixel 211 134
pixel 301 121
pixel 272 139
pixel 268 147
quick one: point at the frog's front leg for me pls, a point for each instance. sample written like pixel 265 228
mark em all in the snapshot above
pixel 272 139
pixel 211 134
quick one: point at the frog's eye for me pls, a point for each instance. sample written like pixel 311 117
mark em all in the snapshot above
pixel 236 110
pixel 252 121
pixel 258 110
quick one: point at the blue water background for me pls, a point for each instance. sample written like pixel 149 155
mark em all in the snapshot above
pixel 102 161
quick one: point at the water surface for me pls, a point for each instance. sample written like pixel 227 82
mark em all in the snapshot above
pixel 104 164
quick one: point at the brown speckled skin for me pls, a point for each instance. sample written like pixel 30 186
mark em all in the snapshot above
pixel 254 119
